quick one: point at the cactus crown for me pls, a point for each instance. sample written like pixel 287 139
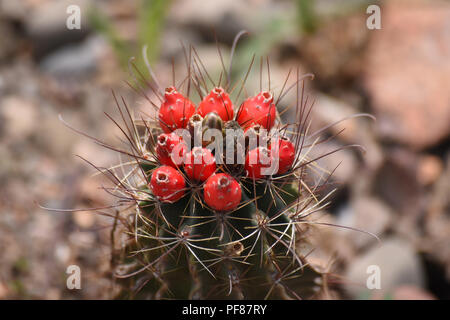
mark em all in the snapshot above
pixel 228 235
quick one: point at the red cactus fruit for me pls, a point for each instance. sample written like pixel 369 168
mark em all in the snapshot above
pixel 175 111
pixel 200 164
pixel 256 160
pixel 259 109
pixel 217 101
pixel 170 149
pixel 167 184
pixel 286 154
pixel 222 192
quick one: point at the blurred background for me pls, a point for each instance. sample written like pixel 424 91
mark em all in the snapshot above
pixel 399 189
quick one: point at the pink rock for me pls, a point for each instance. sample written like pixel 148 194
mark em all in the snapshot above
pixel 408 72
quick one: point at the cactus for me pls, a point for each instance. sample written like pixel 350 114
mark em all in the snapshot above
pixel 197 222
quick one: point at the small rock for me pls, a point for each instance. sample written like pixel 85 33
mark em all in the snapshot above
pixel 9 43
pixel 82 239
pixel 19 117
pixel 398 264
pixel 100 156
pixel 396 182
pixel 328 110
pixel 62 253
pixel 62 139
pixel 436 240
pixel 325 243
pixel 226 16
pixel 366 214
pixel 407 292
pixel 344 161
pixel 53 294
pixel 171 45
pixel 14 9
pixel 74 60
pixel 334 51
pixel 429 169
pixel 3 291
pixel 84 219
pixel 90 191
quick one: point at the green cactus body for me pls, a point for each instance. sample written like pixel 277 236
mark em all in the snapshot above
pixel 187 250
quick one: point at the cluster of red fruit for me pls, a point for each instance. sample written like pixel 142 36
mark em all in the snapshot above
pixel 221 191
